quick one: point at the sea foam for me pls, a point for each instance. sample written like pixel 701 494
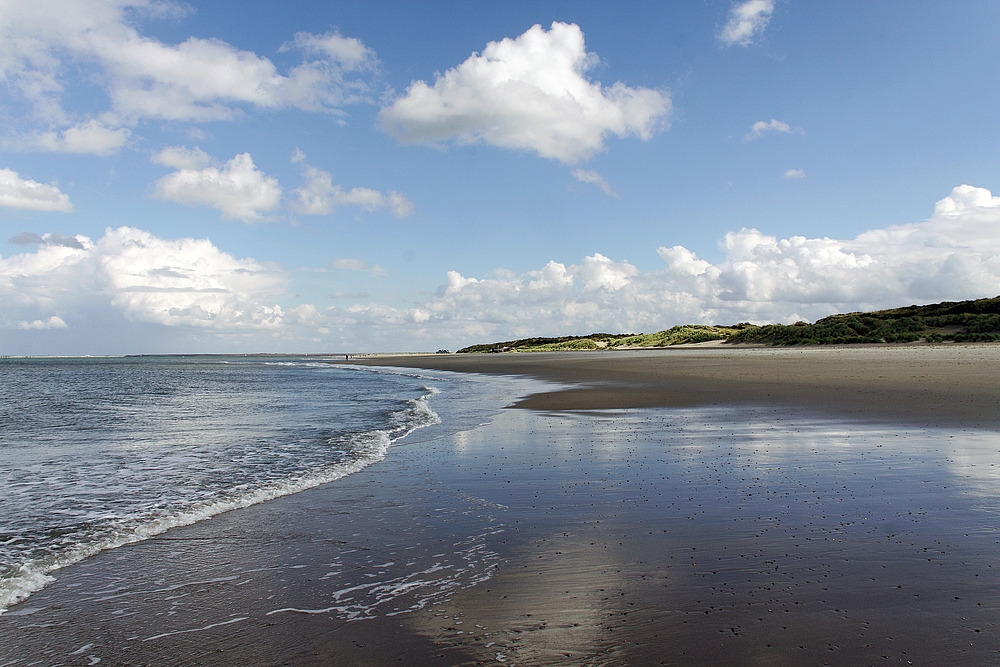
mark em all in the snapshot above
pixel 365 448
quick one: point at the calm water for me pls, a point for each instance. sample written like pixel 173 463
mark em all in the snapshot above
pixel 96 453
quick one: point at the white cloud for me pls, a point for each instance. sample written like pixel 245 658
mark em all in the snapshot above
pixel 399 204
pixel 593 178
pixel 346 264
pixel 762 127
pixel 966 200
pixel 184 282
pixel 528 93
pixel 53 322
pixel 16 192
pixel 746 21
pixel 238 189
pixel 365 198
pixel 599 272
pixel 319 196
pixel 90 137
pixel 47 45
pixel 189 283
pixel 795 173
pixel 350 53
pixel 954 255
pixel 181 157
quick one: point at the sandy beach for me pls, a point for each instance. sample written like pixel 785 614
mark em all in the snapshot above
pixel 916 384
pixel 698 506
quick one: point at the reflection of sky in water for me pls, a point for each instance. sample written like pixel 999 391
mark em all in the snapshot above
pixel 733 516
pixel 729 444
pixel 974 459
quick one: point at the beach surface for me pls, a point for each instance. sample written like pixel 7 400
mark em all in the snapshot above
pixel 678 507
pixel 917 384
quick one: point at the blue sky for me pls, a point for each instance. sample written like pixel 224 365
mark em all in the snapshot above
pixel 313 177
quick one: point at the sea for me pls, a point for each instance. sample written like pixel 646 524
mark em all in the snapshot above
pixel 96 453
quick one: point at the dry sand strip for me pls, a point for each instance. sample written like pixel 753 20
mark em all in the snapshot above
pixel 927 385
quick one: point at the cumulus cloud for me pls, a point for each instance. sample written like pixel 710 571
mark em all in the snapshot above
pixel 90 137
pixel 595 179
pixel 17 192
pixel 43 43
pixel 238 189
pixel 53 322
pixel 762 127
pixel 746 21
pixel 528 93
pixel 953 255
pixel 319 196
pixel 184 282
pixel 795 173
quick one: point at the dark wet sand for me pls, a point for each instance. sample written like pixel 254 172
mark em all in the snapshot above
pixel 726 532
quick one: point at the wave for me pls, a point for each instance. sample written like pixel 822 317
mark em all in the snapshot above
pixel 367 448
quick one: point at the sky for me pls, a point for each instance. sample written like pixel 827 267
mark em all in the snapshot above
pixel 244 176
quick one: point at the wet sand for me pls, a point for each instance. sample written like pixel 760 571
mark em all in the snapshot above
pixel 945 384
pixel 765 531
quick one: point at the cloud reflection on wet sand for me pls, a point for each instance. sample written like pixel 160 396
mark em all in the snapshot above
pixel 712 536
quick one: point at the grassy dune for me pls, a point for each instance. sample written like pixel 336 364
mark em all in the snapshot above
pixel 688 333
pixel 962 321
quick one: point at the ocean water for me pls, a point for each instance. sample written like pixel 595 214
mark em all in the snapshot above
pixel 96 453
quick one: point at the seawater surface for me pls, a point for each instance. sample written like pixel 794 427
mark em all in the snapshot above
pixel 100 452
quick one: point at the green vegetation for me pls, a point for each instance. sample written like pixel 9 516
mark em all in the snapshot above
pixel 688 333
pixel 962 321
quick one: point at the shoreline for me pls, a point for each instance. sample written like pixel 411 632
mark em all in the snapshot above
pixel 723 532
pixel 927 385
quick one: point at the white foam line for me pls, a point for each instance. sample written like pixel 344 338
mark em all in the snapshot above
pixel 33 575
pixel 207 627
pixel 165 590
pixel 303 611
pixel 385 370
